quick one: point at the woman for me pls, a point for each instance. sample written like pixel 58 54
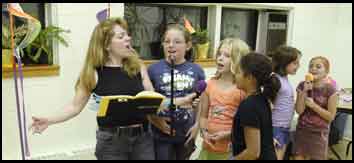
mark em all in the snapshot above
pixel 111 67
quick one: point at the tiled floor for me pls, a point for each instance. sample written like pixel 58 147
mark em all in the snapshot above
pixel 340 148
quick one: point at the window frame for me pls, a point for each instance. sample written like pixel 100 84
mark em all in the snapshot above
pixel 213 27
pixel 41 70
pixel 214 23
pixel 202 22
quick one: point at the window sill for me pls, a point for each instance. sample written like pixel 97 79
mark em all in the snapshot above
pixel 53 70
pixel 204 63
pixel 33 71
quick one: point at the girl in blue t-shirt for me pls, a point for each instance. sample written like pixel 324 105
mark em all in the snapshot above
pixel 176 42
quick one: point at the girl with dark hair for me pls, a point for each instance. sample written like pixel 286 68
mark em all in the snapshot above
pixel 285 60
pixel 252 136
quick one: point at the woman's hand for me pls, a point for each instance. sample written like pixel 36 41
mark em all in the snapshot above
pixel 39 125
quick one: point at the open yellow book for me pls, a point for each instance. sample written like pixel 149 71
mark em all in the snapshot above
pixel 146 102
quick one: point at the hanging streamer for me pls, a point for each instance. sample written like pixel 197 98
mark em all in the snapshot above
pixel 33 29
pixel 104 14
pixel 188 25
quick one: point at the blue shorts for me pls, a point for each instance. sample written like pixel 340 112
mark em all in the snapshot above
pixel 282 135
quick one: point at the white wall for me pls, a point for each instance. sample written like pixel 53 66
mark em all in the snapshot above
pixel 325 30
pixel 319 29
pixel 45 95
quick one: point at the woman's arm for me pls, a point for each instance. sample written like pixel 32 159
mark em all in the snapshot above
pixel 73 108
pixel 146 79
pixel 69 111
pixel 253 144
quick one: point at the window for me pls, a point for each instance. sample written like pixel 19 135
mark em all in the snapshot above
pixel 37 10
pixel 273 30
pixel 277 30
pixel 31 68
pixel 147 22
pixel 241 24
pixel 34 9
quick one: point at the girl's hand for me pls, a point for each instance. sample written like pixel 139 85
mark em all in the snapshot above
pixel 190 97
pixel 310 103
pixel 161 124
pixel 39 125
pixel 195 103
pixel 219 135
pixel 307 86
pixel 209 141
pixel 192 133
pixel 276 142
pixel 207 138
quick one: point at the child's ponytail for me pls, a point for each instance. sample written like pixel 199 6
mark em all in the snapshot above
pixel 271 86
pixel 260 67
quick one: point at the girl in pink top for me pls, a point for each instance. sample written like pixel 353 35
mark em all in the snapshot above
pixel 316 112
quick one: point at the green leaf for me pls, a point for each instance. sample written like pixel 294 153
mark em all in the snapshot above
pixel 28 49
pixel 37 55
pixel 62 41
pixel 42 43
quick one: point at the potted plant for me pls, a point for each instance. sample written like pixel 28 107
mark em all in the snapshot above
pixel 19 33
pixel 40 50
pixel 201 43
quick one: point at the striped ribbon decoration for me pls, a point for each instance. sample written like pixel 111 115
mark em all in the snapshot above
pixel 34 27
pixel 104 14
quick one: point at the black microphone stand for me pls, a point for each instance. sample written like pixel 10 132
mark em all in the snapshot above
pixel 172 105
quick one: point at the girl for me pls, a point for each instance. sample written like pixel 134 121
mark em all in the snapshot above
pixel 111 67
pixel 176 41
pixel 316 112
pixel 252 136
pixel 285 61
pixel 221 100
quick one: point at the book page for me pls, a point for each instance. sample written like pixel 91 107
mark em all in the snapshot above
pixel 147 97
pixel 119 97
pixel 149 94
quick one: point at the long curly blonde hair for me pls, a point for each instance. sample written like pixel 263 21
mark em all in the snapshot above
pixel 238 48
pixel 97 55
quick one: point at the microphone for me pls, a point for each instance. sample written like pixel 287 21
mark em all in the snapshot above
pixel 200 88
pixel 172 58
pixel 309 79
